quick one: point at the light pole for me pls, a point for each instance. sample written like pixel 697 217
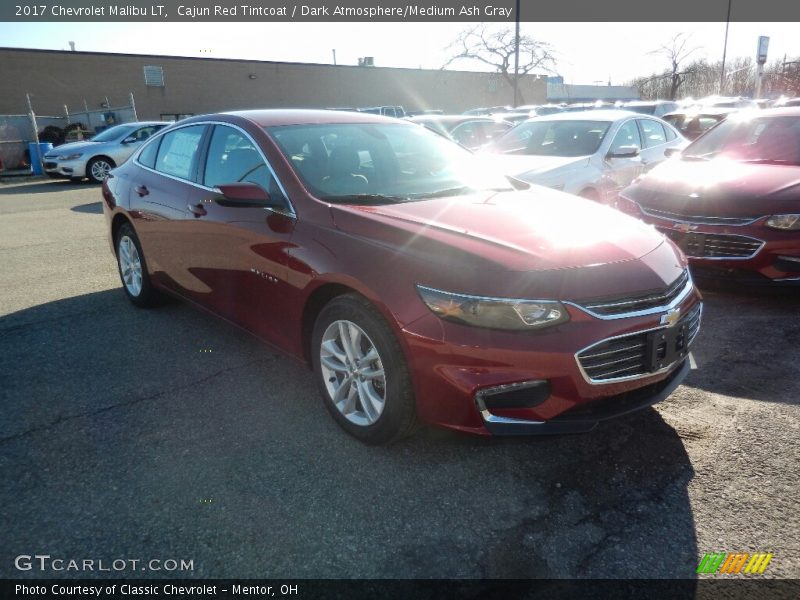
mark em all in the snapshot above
pixel 725 51
pixel 516 59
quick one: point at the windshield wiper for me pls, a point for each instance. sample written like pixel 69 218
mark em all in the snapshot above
pixel 767 161
pixel 364 199
pixel 454 191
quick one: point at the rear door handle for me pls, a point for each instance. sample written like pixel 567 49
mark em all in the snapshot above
pixel 142 190
pixel 198 210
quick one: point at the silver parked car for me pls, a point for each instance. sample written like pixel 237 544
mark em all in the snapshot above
pixel 592 154
pixel 94 158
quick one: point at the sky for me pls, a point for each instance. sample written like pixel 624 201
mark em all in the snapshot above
pixel 586 52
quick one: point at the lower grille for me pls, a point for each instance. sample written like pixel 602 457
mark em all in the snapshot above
pixel 640 354
pixel 50 165
pixel 713 245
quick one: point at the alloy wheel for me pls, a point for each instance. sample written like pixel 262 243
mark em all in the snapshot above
pixel 130 265
pixel 100 169
pixel 353 372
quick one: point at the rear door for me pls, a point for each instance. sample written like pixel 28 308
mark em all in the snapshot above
pixel 159 195
pixel 654 142
pixel 621 171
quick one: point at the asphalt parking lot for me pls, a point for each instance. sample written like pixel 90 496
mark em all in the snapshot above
pixel 168 434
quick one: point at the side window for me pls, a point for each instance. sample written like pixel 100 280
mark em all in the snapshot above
pixel 143 133
pixel 232 158
pixel 671 135
pixel 628 135
pixel 178 150
pixel 148 155
pixel 492 131
pixel 467 134
pixel 652 133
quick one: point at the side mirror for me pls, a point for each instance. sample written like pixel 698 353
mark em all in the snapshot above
pixel 671 152
pixel 245 195
pixel 624 152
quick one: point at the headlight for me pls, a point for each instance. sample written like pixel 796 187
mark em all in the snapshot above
pixel 69 156
pixel 786 222
pixel 495 313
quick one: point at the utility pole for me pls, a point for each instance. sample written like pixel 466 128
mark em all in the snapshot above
pixel 725 51
pixel 516 59
pixel 32 117
pixel 761 59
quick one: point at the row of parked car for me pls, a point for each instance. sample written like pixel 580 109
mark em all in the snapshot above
pixel 599 153
pixel 421 281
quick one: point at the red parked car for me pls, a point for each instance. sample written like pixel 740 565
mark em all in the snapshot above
pixel 732 199
pixel 416 284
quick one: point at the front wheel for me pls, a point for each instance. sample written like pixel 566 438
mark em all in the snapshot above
pixel 97 169
pixel 361 371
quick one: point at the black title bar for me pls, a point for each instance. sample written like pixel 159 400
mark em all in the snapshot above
pixel 397 10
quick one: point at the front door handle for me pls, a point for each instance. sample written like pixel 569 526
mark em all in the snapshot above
pixel 198 210
pixel 142 190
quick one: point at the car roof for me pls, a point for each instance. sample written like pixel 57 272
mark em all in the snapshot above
pixel 145 123
pixel 293 116
pixel 452 118
pixel 780 111
pixel 591 115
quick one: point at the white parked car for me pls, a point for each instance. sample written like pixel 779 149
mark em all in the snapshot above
pixel 94 158
pixel 592 154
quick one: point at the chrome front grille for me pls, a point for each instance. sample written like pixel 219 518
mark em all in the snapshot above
pixel 640 354
pixel 641 302
pixel 714 245
pixel 696 219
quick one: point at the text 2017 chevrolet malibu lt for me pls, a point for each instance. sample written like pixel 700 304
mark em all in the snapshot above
pixel 418 285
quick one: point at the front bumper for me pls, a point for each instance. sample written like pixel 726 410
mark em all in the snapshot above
pixel 460 371
pixel 586 417
pixel 64 168
pixel 750 252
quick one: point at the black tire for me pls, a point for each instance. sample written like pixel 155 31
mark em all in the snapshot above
pixel 147 295
pixel 398 417
pixel 96 163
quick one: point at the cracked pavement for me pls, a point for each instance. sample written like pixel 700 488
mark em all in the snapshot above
pixel 121 438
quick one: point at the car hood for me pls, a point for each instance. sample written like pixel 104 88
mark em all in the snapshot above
pixel 485 237
pixel 516 165
pixel 719 188
pixel 73 148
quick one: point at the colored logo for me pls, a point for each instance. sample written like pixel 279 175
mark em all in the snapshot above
pixel 671 317
pixel 733 562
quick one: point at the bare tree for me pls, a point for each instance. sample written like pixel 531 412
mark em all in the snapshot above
pixel 495 47
pixel 676 51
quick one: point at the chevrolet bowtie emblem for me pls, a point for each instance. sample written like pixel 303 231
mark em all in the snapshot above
pixel 671 317
pixel 684 227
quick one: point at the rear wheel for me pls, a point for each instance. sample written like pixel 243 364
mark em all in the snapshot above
pixel 361 371
pixel 133 269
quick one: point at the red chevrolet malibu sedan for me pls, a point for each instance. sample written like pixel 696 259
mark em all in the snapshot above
pixel 731 200
pixel 417 285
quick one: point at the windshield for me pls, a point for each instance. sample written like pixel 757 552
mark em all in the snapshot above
pixel 553 138
pixel 113 133
pixel 375 163
pixel 759 139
